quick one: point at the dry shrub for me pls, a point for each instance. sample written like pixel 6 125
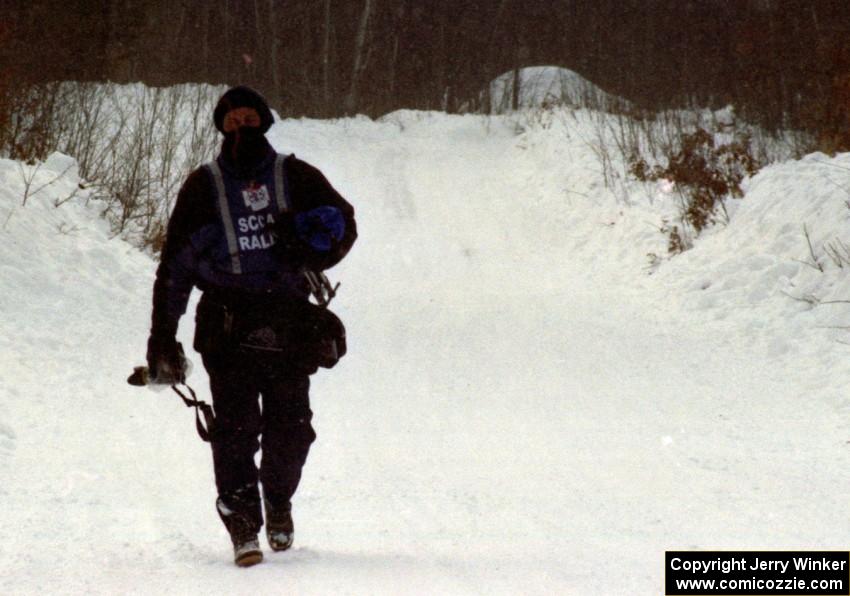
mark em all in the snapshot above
pixel 134 144
pixel 704 174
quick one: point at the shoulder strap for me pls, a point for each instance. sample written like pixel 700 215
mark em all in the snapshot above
pixel 280 188
pixel 226 219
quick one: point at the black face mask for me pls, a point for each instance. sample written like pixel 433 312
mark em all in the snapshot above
pixel 246 146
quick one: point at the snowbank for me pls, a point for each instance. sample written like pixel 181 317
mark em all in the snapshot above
pixel 65 287
pixel 779 270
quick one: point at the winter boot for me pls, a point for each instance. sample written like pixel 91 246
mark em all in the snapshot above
pixel 280 530
pixel 246 550
pixel 243 534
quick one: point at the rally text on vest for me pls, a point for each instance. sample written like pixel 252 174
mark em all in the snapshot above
pixel 256 241
pixel 255 223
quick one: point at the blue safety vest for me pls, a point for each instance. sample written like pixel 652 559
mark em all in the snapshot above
pixel 249 210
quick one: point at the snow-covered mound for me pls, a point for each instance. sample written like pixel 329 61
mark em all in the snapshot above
pixel 66 285
pixel 73 316
pixel 779 270
pixel 550 86
pixel 524 400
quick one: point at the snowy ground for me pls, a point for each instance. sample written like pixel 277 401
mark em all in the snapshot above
pixel 524 408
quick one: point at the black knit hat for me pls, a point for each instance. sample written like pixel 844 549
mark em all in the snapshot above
pixel 242 97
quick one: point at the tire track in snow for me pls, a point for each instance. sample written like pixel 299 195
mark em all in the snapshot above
pixel 7 446
pixel 391 166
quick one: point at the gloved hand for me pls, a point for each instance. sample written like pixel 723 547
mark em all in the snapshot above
pixel 306 238
pixel 321 228
pixel 166 361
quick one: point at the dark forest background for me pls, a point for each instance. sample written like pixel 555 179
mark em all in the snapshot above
pixel 780 62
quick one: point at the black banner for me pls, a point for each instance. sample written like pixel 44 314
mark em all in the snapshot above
pixel 743 573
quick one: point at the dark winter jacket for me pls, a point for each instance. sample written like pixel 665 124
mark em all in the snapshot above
pixel 196 247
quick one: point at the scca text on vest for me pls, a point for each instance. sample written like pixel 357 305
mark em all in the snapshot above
pixel 255 223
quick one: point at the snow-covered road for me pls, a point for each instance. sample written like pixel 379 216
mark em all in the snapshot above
pixel 522 411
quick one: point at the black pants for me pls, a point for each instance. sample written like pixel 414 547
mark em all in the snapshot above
pixel 281 427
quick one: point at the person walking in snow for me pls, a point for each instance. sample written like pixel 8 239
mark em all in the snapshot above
pixel 244 230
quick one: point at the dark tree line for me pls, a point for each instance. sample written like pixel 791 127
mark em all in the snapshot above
pixel 784 62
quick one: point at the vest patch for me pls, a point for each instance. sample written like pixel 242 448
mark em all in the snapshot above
pixel 256 197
